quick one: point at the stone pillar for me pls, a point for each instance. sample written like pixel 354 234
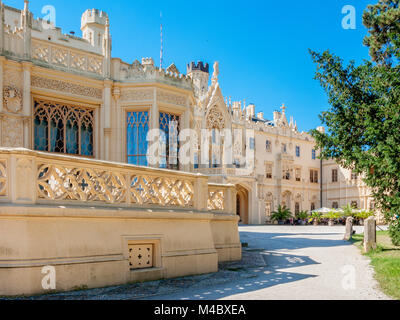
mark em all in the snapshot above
pixel 201 193
pixel 23 179
pixel 186 126
pixel 155 123
pixel 230 201
pixel 349 229
pixel 117 113
pixel 369 234
pixel 106 113
pixel 27 101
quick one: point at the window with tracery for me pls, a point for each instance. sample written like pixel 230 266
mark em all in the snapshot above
pixel 314 176
pixel 169 142
pixel 63 128
pixel 137 130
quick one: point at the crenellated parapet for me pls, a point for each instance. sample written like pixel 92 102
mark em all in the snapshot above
pixel 146 71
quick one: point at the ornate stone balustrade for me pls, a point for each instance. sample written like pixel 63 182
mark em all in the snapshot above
pixel 221 198
pixel 64 57
pixel 30 177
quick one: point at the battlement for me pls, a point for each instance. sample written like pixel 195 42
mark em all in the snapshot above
pixel 148 62
pixel 200 66
pixel 94 16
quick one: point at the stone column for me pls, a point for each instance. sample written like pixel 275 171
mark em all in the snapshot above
pixel 369 234
pixel 27 101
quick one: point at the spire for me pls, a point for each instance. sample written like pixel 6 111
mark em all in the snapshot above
pixel 283 109
pixel 216 72
pixel 162 43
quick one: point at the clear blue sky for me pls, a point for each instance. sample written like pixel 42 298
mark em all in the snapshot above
pixel 262 46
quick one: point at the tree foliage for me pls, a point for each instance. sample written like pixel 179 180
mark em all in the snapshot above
pixel 364 119
pixel 383 23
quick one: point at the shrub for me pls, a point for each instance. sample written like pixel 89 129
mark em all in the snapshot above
pixel 394 231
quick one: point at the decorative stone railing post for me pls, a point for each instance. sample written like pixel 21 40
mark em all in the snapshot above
pixel 230 200
pixel 369 234
pixel 22 179
pixel 201 193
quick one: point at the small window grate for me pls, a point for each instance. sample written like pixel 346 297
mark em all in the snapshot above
pixel 141 256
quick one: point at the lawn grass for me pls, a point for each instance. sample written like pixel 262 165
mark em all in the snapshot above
pixel 386 262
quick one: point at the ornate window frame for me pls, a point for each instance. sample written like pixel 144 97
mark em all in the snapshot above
pixel 73 104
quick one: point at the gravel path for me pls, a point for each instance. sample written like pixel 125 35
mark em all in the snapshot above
pixel 295 263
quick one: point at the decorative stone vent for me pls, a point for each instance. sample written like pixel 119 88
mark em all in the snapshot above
pixel 141 256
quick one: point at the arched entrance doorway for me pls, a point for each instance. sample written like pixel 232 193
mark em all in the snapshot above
pixel 242 204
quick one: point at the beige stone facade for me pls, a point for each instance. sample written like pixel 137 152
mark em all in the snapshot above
pixel 74 171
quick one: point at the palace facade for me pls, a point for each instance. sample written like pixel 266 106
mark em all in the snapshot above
pixel 79 191
pixel 64 94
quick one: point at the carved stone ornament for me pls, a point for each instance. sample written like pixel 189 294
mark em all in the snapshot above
pixel 215 119
pixel 12 99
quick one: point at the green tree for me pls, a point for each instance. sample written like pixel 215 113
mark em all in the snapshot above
pixel 364 118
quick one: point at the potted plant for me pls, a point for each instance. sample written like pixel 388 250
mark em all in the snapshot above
pixel 281 215
pixel 332 216
pixel 302 216
pixel 316 218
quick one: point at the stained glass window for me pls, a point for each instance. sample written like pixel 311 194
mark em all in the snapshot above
pixel 137 129
pixel 63 128
pixel 169 143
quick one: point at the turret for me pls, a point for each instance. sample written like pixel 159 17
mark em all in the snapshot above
pixel 200 75
pixel 251 111
pixel 94 26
